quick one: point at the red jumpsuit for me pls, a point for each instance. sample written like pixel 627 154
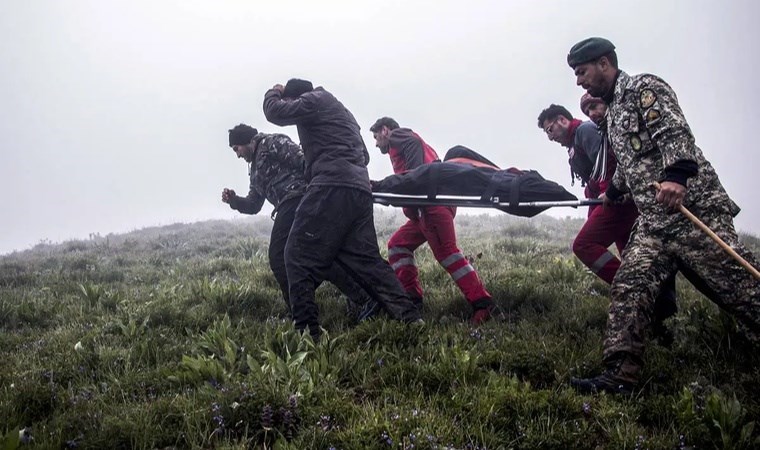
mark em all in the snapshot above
pixel 432 224
pixel 608 225
pixel 605 226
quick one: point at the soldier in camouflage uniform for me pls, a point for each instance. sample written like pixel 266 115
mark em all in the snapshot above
pixel 653 143
pixel 276 171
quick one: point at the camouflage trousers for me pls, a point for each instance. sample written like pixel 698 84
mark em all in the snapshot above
pixel 653 256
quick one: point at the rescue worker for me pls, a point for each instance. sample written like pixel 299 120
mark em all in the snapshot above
pixel 653 143
pixel 594 108
pixel 431 224
pixel 334 222
pixel 593 164
pixel 276 175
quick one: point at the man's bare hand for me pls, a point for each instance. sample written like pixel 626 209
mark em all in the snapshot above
pixel 228 195
pixel 278 87
pixel 671 194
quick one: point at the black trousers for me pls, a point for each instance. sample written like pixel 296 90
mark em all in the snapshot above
pixel 283 221
pixel 336 224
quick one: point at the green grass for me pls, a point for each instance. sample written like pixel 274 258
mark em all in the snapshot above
pixel 174 337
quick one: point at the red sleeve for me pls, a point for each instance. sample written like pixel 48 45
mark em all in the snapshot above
pixel 409 146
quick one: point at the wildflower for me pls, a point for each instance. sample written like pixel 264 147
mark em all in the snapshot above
pixel 287 421
pixel 586 408
pixel 78 346
pixel 218 419
pixel 73 443
pixel 386 438
pixel 266 417
pixel 325 422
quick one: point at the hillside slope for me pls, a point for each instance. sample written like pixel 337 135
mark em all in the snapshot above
pixel 174 337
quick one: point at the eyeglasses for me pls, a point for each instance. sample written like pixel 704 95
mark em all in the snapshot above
pixel 548 128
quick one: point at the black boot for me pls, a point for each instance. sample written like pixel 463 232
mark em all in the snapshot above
pixel 620 377
pixel 606 382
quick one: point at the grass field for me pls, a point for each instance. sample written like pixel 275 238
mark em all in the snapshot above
pixel 175 337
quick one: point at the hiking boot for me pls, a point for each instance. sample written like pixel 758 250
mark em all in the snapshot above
pixel 482 311
pixel 606 382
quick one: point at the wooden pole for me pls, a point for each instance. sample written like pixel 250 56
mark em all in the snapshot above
pixel 716 238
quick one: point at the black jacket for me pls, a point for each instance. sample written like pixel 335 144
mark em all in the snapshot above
pixel 333 147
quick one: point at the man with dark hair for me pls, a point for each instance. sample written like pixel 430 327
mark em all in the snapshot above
pixel 654 144
pixel 593 164
pixel 431 224
pixel 276 174
pixel 334 222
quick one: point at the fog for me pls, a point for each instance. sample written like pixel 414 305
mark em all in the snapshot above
pixel 114 115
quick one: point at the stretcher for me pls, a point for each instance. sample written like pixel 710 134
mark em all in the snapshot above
pixel 400 200
pixel 467 179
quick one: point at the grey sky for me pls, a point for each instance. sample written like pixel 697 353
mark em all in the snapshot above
pixel 114 115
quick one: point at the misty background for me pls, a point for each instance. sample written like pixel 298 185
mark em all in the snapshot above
pixel 114 115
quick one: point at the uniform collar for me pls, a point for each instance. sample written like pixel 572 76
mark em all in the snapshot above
pixel 259 137
pixel 623 80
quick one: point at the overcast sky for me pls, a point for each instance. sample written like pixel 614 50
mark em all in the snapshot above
pixel 114 114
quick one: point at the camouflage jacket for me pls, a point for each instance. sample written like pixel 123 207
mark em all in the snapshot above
pixel 276 173
pixel 649 134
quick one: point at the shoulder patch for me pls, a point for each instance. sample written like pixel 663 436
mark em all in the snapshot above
pixel 635 142
pixel 652 116
pixel 647 97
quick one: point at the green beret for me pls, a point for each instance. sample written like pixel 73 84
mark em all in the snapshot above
pixel 588 50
